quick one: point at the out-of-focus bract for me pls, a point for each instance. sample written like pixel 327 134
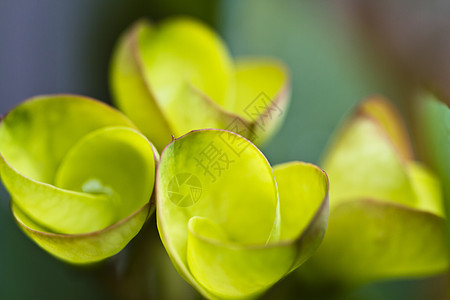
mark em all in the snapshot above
pixel 178 76
pixel 386 210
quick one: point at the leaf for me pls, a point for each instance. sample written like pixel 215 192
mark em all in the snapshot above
pixel 227 232
pixel 69 177
pixel 433 127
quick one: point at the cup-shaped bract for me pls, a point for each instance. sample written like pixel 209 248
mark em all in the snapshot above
pixel 178 76
pixel 232 225
pixel 386 214
pixel 79 174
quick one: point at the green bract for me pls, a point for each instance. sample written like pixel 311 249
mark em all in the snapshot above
pixel 232 225
pixel 386 215
pixel 79 174
pixel 433 127
pixel 178 76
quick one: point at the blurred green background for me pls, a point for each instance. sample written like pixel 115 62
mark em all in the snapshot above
pixel 338 55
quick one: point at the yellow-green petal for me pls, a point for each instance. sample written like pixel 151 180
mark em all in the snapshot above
pixel 36 135
pixel 116 161
pixel 262 94
pixel 191 109
pixel 362 163
pixel 85 248
pixel 131 92
pixel 184 51
pixel 229 270
pixel 386 116
pixel 58 209
pixel 427 188
pixel 370 240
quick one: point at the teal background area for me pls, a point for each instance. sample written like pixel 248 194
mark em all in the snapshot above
pixel 329 69
pixel 64 46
